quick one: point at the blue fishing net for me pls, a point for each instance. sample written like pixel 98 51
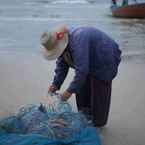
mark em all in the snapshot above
pixel 54 123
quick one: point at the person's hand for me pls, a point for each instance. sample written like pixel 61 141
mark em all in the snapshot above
pixel 65 96
pixel 52 89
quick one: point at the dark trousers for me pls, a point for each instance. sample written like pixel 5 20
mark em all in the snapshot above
pixel 94 98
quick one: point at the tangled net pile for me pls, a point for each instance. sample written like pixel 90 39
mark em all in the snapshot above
pixel 54 121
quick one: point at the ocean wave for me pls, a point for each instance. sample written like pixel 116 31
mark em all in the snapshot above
pixel 70 1
pixel 59 1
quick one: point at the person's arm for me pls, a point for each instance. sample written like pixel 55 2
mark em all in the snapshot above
pixel 81 62
pixel 60 73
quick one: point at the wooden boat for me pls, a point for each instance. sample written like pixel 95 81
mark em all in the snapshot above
pixel 136 10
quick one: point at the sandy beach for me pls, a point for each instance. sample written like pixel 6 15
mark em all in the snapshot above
pixel 25 75
pixel 24 80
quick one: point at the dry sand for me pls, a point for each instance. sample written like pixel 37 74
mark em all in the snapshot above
pixel 24 80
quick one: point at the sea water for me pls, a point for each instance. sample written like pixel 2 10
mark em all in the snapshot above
pixel 22 22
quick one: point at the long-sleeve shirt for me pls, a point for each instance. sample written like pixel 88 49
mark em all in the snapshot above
pixel 93 53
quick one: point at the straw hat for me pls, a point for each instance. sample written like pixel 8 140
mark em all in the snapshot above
pixel 54 42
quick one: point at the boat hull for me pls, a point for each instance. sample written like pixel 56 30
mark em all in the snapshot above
pixel 130 11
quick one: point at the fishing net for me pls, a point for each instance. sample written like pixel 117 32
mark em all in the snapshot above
pixel 55 121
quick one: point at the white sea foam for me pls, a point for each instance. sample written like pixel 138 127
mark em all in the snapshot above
pixel 70 1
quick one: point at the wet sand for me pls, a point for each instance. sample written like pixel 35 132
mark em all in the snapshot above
pixel 25 75
pixel 24 80
pixel 127 118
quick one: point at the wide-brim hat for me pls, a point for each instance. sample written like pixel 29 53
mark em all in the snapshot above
pixel 53 43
